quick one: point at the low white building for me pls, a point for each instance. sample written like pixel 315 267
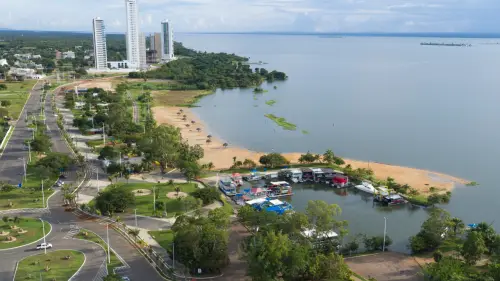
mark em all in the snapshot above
pixel 3 62
pixel 36 57
pixel 22 56
pixel 68 55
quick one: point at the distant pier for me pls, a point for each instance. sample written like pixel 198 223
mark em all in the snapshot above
pixel 445 44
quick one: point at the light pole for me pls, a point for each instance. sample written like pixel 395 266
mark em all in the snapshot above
pixel 29 151
pixel 97 178
pixel 103 135
pixel 107 238
pixel 43 223
pixel 154 200
pixel 24 166
pixel 385 230
pixel 173 255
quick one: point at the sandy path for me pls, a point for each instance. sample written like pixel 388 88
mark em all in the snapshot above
pixel 223 157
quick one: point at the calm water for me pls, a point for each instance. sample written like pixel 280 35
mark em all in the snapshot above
pixel 388 100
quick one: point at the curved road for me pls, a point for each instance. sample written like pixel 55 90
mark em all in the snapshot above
pixel 62 221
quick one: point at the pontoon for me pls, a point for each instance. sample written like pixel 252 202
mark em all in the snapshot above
pixel 328 175
pixel 339 181
pixel 307 174
pixel 278 189
pixel 255 176
pixel 227 187
pixel 271 205
pixel 318 175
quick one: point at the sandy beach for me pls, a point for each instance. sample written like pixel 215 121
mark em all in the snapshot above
pixel 223 157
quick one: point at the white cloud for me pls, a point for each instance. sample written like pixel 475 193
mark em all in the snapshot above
pixel 259 15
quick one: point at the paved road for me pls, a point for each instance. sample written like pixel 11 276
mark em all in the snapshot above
pixel 11 164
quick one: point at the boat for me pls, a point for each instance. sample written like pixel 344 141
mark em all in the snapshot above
pixel 254 193
pixel 271 175
pixel 283 173
pixel 295 175
pixel 366 187
pixel 327 175
pixel 307 175
pixel 237 179
pixel 339 181
pixel 279 189
pixel 254 176
pixel 318 174
pixel 227 187
pixel 389 199
pixel 271 205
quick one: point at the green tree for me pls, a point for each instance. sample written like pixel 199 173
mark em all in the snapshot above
pixel 5 103
pixel 109 153
pixel 322 217
pixel 208 195
pixel 457 225
pixel 473 248
pixel 307 158
pixel 273 160
pixel 447 269
pixel 432 232
pixel 375 243
pixel 219 218
pixel 114 199
pixel 41 143
pixel 329 157
pixel 162 145
pixel 191 170
pixel 55 162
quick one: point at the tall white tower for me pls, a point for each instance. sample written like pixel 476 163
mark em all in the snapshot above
pixel 133 46
pixel 167 41
pixel 100 50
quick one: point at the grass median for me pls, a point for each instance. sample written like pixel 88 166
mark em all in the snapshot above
pixel 17 93
pixel 57 265
pixel 15 232
pixel 90 236
pixel 164 237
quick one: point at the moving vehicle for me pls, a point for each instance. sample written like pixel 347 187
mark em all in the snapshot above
pixel 44 246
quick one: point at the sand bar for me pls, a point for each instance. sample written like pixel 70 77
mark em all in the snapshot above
pixel 223 157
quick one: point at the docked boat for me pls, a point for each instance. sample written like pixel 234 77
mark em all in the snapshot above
pixel 279 189
pixel 271 175
pixel 389 199
pixel 327 175
pixel 318 174
pixel 237 179
pixel 254 193
pixel 295 175
pixel 283 173
pixel 366 187
pixel 227 186
pixel 307 175
pixel 255 176
pixel 270 205
pixel 339 181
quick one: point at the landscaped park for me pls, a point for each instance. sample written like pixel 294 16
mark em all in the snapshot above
pixel 85 234
pixel 57 265
pixel 19 231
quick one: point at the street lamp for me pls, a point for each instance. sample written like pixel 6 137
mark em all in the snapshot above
pixel 107 234
pixel 43 223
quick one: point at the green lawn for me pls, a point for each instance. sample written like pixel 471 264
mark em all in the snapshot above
pixel 144 203
pixel 17 93
pixel 90 236
pixel 164 238
pixel 23 198
pixel 33 228
pixel 60 268
pixel 226 205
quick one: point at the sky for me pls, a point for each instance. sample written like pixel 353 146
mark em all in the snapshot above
pixel 259 15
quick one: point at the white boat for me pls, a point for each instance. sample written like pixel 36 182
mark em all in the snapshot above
pixel 366 187
pixel 295 175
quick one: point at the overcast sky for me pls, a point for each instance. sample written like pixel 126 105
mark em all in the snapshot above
pixel 259 15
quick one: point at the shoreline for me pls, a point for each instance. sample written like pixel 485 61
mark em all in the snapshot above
pixel 222 158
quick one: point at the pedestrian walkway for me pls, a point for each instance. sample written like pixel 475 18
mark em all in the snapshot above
pixel 74 229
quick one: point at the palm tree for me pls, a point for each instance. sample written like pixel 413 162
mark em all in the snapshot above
pixel 177 189
pixel 457 225
pixel 225 145
pixel 70 198
pixel 208 141
pixel 134 233
pixel 198 129
pixel 192 122
pixel 210 166
pixel 209 136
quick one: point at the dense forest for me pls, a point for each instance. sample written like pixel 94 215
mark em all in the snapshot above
pixel 212 70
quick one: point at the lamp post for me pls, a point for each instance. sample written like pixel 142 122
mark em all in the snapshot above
pixel 154 200
pixel 135 214
pixel 107 238
pixel 385 230
pixel 43 223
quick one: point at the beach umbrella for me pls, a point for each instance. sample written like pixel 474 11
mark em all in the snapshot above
pixel 209 136
pixel 208 141
pixel 198 129
pixel 187 125
pixel 185 116
pixel 225 144
pixel 192 122
pixel 181 110
pixel 178 113
pixel 184 119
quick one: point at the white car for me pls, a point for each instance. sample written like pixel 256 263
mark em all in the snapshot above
pixel 125 278
pixel 44 246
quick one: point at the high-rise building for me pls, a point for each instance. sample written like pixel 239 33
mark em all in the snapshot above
pixel 100 50
pixel 154 54
pixel 142 51
pixel 167 41
pixel 132 35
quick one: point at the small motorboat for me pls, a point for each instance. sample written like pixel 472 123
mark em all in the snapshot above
pixel 366 187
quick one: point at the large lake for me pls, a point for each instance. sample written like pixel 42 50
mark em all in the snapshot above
pixel 381 99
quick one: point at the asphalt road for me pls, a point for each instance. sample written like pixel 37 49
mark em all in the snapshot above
pixel 11 163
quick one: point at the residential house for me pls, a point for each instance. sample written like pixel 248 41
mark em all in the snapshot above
pixel 68 55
